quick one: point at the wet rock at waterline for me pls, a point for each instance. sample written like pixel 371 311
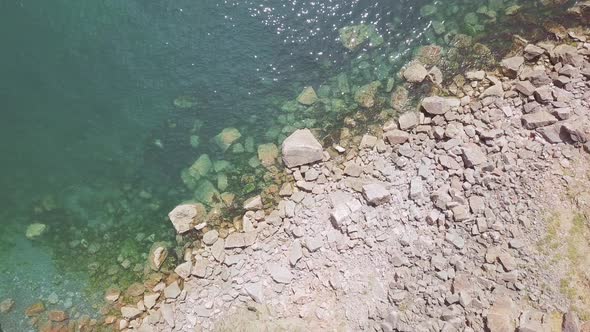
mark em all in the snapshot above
pixel 301 148
pixel 186 216
pixel 157 255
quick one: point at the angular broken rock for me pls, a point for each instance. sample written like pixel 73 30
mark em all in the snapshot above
pixel 525 87
pixel 502 315
pixel 395 137
pixel 295 252
pixel 254 203
pixel 184 270
pixel 376 193
pixel 473 155
pixel 511 66
pixel 301 148
pixel 408 120
pixel 532 52
pixel 279 273
pixel 130 312
pixel 210 237
pixel 255 291
pixel 538 119
pixel 172 291
pixel 184 217
pixel 240 240
pixel 308 96
pixel 416 188
pixel 439 105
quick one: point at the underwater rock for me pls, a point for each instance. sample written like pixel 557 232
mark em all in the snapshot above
pixel 399 98
pixel 185 102
pixel 301 148
pixel 35 309
pixel 354 36
pixel 365 95
pixel 222 181
pixel 112 294
pixel 206 192
pixel 415 73
pixel 226 138
pixel 195 141
pixel 158 254
pixel 185 216
pixel 35 230
pixel 57 315
pixel 308 96
pixel 6 305
pixel 200 167
pixel 268 153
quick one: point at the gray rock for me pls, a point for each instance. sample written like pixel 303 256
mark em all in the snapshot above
pixel 416 188
pixel 172 291
pixel 415 73
pixel 455 239
pixel 539 77
pixel 255 291
pixel 395 137
pixel 531 52
pixel 553 134
pixel 240 240
pixel 543 94
pixel 184 270
pixel 567 54
pixel 183 217
pixel 501 316
pixel 409 120
pixel 376 193
pixel 473 155
pixel 460 213
pixel 218 250
pixel 301 148
pixel 253 203
pixel 167 311
pixel 478 75
pixel 538 119
pixel 525 87
pixel 210 237
pixel 339 215
pixel 493 91
pixel 511 66
pixel 279 273
pixel 438 105
pixel 368 141
pixel 314 243
pixel 295 252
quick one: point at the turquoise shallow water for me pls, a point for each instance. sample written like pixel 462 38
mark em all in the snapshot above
pixel 93 145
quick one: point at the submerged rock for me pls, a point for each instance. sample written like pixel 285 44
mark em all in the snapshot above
pixel 355 35
pixel 415 73
pixel 227 137
pixel 6 305
pixel 268 153
pixel 35 230
pixel 185 216
pixel 185 102
pixel 308 96
pixel 365 95
pixel 200 167
pixel 301 148
pixel 35 309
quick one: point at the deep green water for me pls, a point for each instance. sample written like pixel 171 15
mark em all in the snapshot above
pixel 93 146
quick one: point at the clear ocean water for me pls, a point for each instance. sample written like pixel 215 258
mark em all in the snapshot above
pixel 105 103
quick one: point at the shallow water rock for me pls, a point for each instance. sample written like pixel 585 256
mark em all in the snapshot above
pixel 226 138
pixel 365 95
pixel 112 294
pixel 201 167
pixel 415 73
pixel 6 305
pixel 268 154
pixel 253 203
pixel 354 36
pixel 210 237
pixel 185 102
pixel 186 216
pixel 57 315
pixel 35 230
pixel 307 97
pixel 301 148
pixel 399 98
pixel 204 193
pixel 35 309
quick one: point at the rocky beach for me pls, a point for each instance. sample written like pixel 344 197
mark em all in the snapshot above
pixel 452 195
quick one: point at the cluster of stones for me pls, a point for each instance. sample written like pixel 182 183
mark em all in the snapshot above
pixel 426 225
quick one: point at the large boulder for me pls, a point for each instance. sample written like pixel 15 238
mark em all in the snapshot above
pixel 186 216
pixel 439 105
pixel 301 148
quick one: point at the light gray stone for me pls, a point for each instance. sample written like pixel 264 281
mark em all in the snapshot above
pixel 301 148
pixel 538 119
pixel 376 193
pixel 280 273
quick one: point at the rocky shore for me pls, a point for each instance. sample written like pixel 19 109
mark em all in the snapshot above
pixel 439 222
pixel 468 212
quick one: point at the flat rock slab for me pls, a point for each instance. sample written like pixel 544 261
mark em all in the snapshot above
pixel 376 193
pixel 439 105
pixel 280 273
pixel 538 119
pixel 240 240
pixel 301 148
